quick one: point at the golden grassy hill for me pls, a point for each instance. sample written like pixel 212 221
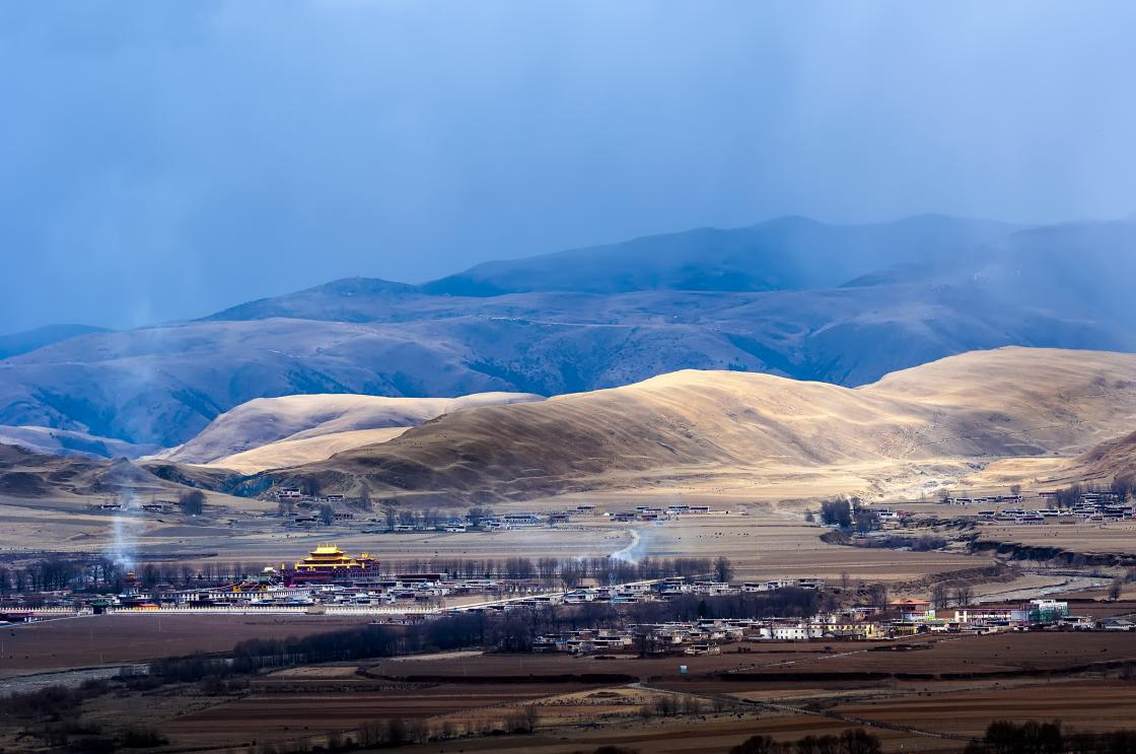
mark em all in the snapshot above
pixel 296 451
pixel 270 433
pixel 713 425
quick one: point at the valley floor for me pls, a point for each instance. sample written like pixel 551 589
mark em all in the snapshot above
pixel 763 540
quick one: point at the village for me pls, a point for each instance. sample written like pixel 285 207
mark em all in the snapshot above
pixel 1091 505
pixel 608 617
pixel 912 617
pixel 300 510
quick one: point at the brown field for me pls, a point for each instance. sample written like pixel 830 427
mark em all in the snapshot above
pixel 949 654
pixel 575 718
pixel 271 712
pixel 1096 705
pixel 119 639
pixel 1118 537
pixel 769 688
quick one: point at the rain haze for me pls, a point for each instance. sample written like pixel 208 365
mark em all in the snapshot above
pixel 164 160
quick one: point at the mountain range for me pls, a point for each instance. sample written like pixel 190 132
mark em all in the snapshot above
pixel 843 304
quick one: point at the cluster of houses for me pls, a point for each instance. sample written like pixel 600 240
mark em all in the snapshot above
pixel 307 511
pixel 329 577
pixel 154 506
pixel 1097 506
pixel 989 618
pixel 421 587
pixel 651 513
pixel 1098 512
pixel 295 494
pixel 649 591
pixel 269 592
pixel 708 635
pixel 905 618
pixel 983 500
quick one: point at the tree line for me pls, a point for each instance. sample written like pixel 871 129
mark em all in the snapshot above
pixel 1006 737
pixel 854 741
pixel 100 575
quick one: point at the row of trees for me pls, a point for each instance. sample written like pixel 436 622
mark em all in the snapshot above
pixel 855 741
pixel 923 543
pixel 569 571
pixel 945 595
pixel 1005 737
pixel 101 575
pixel 52 574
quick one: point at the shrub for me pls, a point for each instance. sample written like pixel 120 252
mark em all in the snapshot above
pixel 141 738
pixel 192 503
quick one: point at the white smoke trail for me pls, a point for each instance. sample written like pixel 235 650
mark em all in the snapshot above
pixel 634 551
pixel 124 528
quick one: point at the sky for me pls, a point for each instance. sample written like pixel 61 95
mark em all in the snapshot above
pixel 163 160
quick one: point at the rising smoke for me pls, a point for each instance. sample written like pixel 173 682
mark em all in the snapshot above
pixel 125 529
pixel 634 551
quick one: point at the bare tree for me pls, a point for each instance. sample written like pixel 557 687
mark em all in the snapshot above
pixel 547 567
pixel 964 595
pixel 939 598
pixel 723 568
pixel 879 596
pixel 192 503
pixel 364 499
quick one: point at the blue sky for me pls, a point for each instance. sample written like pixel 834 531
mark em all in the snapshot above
pixel 162 160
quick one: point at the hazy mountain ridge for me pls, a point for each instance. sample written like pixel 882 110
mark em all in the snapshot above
pixel 63 442
pixel 788 253
pixel 893 295
pixel 14 344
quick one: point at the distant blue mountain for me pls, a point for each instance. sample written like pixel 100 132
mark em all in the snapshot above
pixel 790 253
pixel 29 340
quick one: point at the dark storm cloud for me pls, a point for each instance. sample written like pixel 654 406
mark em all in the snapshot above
pixel 163 160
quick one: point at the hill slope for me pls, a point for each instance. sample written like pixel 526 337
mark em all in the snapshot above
pixel 711 425
pixel 34 475
pixel 1105 461
pixel 264 424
